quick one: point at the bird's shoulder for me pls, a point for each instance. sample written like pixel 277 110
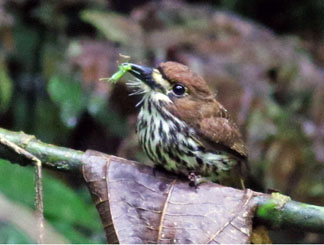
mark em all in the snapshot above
pixel 213 126
pixel 222 131
pixel 218 129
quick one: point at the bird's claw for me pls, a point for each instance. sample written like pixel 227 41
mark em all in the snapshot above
pixel 195 180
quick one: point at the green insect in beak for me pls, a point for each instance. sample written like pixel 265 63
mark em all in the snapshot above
pixel 122 69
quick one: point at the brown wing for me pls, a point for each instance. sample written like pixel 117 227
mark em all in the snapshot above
pixel 210 120
pixel 219 132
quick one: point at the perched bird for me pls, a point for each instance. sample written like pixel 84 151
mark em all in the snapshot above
pixel 183 128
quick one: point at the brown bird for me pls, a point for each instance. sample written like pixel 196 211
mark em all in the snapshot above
pixel 183 128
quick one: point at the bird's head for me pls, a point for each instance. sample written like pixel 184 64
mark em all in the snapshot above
pixel 171 82
pixel 182 92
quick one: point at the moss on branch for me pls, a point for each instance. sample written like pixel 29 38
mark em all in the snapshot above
pixel 52 156
pixel 292 215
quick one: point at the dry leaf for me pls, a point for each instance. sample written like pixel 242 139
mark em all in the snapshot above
pixel 137 207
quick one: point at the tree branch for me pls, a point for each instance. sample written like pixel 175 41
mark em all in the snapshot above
pixel 291 215
pixel 55 157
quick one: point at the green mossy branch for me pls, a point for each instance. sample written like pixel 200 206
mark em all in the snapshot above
pixel 55 157
pixel 290 215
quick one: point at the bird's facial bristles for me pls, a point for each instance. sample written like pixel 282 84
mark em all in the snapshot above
pixel 134 84
pixel 150 82
pixel 137 92
pixel 137 83
pixel 138 88
pixel 141 101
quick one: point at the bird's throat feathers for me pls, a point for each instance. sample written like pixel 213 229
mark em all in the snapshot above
pixel 157 98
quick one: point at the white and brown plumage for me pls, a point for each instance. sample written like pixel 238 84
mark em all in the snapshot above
pixel 182 127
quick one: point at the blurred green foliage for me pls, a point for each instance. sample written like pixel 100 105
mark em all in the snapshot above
pixel 70 213
pixel 67 94
pixel 5 87
pixel 9 234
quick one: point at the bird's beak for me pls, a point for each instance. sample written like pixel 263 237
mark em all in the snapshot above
pixel 143 73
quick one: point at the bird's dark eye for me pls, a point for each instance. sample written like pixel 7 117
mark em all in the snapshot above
pixel 178 89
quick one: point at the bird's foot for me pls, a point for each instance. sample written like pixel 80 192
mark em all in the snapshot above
pixel 195 180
